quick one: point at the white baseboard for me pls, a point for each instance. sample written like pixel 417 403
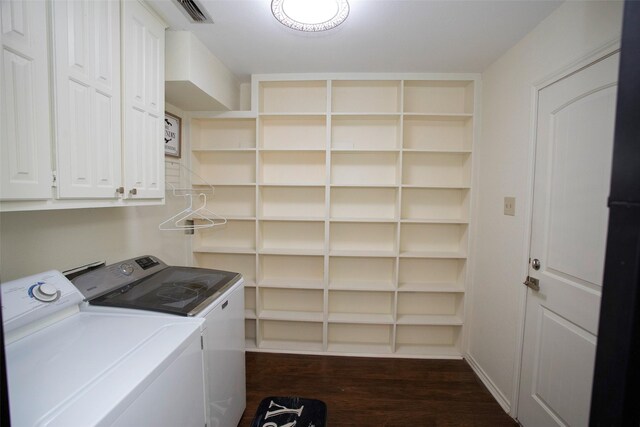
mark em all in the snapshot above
pixel 495 391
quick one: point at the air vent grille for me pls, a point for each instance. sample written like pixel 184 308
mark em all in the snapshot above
pixel 194 11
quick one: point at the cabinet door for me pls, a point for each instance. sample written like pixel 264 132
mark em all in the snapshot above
pixel 143 102
pixel 25 148
pixel 87 83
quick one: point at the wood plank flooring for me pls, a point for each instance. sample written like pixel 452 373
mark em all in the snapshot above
pixel 364 392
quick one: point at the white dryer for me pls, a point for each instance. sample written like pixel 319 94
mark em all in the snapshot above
pixel 69 368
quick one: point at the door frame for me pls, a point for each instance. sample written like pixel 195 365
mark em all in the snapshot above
pixel 610 48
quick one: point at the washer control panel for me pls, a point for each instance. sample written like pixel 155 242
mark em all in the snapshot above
pixel 31 298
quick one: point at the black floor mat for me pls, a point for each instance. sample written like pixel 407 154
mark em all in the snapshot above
pixel 280 411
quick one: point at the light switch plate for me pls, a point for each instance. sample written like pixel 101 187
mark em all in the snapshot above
pixel 510 206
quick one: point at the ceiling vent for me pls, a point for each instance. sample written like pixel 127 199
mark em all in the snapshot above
pixel 194 11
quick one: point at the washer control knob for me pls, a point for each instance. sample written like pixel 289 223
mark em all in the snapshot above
pixel 126 269
pixel 45 292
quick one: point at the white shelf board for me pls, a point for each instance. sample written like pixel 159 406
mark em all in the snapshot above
pixel 361 318
pixel 250 343
pixel 249 283
pixel 461 116
pixel 434 221
pixel 289 283
pixel 373 254
pixel 291 150
pixel 365 115
pixel 339 219
pixel 432 254
pixel 320 114
pixel 430 287
pixel 373 185
pixel 429 319
pixel 296 316
pixel 431 150
pixel 275 184
pixel 208 150
pixel 365 150
pixel 223 250
pixel 288 251
pixel 453 187
pixel 250 314
pixel 291 218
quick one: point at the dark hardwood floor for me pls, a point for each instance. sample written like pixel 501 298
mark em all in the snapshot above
pixel 366 392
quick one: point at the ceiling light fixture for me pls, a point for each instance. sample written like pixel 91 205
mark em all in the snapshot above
pixel 310 15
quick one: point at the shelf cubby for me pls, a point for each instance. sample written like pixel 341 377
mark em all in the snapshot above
pixel 359 338
pixel 291 271
pixel 239 263
pixel 303 96
pixel 293 132
pixel 370 96
pixel 435 204
pixel 235 236
pixel 434 341
pixel 365 133
pixel 250 302
pixel 250 334
pixel 364 169
pixel 291 304
pixel 362 239
pixel 436 169
pixel 359 203
pixel 225 167
pixel 291 237
pixel 234 201
pixel 223 134
pixel 431 275
pixel 447 97
pixel 428 133
pixel 361 306
pixel 292 202
pixel 290 335
pixel 362 273
pixel 430 308
pixel 291 167
pixel 430 238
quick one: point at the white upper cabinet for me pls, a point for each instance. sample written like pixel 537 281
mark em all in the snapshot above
pixel 87 97
pixel 143 71
pixel 25 149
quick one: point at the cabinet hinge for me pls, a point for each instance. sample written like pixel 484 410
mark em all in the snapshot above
pixel 54 179
pixel 201 342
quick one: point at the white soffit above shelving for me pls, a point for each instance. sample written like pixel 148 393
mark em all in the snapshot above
pixel 448 36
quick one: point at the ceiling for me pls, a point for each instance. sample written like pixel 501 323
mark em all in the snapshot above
pixel 413 36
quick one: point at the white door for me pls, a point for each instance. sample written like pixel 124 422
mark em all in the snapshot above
pixel 143 71
pixel 87 98
pixel 573 167
pixel 25 144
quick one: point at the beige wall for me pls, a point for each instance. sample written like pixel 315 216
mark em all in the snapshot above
pixel 32 242
pixel 500 251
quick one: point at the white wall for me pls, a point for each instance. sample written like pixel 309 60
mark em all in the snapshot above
pixel 32 242
pixel 500 251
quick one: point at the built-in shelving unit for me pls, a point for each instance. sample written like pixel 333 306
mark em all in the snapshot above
pixel 348 204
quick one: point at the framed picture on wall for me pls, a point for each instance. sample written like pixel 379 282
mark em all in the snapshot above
pixel 172 143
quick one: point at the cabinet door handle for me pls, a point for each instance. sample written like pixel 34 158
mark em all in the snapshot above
pixel 133 191
pixel 225 304
pixel 120 190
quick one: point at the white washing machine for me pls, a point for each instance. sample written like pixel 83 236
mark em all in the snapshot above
pixel 69 368
pixel 147 285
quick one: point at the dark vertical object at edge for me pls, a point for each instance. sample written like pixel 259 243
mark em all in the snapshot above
pixel 616 383
pixel 4 391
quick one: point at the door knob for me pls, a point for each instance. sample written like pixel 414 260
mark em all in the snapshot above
pixel 535 264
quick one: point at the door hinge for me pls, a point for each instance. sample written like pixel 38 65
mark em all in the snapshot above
pixel 533 283
pixel 54 179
